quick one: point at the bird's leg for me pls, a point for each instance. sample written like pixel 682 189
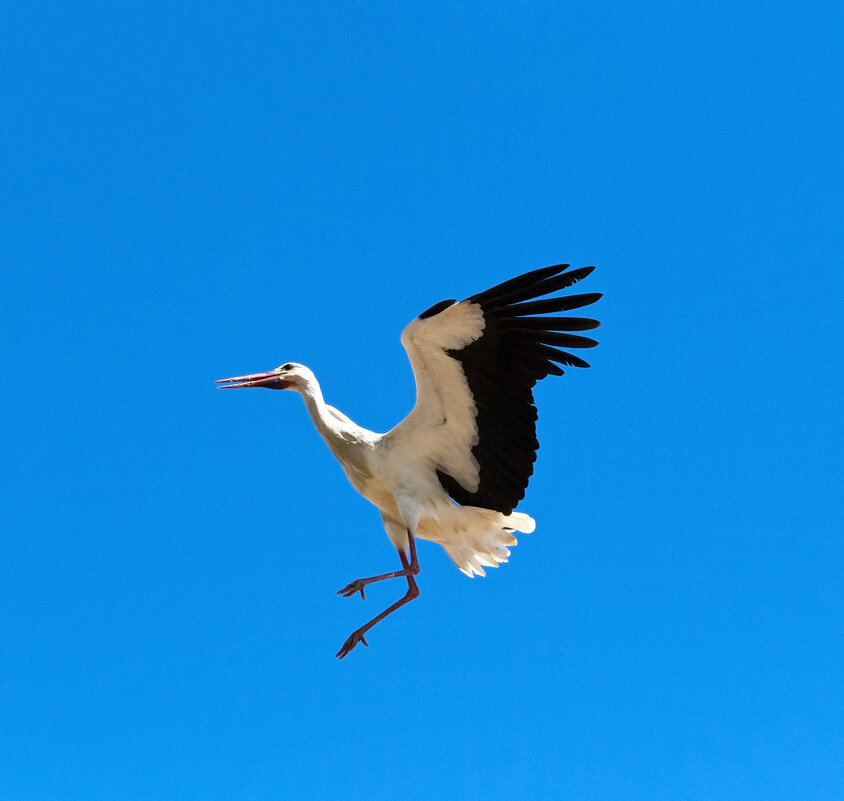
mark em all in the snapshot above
pixel 411 568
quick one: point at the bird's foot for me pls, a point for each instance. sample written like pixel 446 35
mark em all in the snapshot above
pixel 356 586
pixel 354 639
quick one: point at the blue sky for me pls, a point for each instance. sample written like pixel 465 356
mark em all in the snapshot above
pixel 205 190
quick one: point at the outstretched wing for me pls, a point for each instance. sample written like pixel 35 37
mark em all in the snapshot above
pixel 475 364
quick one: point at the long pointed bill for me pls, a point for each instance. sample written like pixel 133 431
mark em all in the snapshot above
pixel 269 380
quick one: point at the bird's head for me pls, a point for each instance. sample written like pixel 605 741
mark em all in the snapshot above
pixel 288 376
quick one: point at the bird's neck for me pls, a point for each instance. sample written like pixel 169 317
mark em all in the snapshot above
pixel 318 410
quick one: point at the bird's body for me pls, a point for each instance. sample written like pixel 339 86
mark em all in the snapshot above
pixel 396 472
pixel 453 470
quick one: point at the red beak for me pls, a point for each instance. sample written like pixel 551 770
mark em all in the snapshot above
pixel 270 380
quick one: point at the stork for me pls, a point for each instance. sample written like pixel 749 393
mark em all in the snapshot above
pixel 455 468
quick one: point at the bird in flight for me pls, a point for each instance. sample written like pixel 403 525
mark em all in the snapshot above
pixel 455 468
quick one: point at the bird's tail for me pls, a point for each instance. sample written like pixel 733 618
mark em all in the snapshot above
pixel 482 538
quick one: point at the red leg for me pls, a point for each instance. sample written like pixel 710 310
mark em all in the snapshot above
pixel 411 568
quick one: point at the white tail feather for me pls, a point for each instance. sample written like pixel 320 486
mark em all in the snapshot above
pixel 475 538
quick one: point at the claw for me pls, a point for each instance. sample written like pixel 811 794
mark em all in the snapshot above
pixel 356 586
pixel 354 638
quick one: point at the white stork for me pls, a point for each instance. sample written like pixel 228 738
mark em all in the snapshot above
pixel 454 469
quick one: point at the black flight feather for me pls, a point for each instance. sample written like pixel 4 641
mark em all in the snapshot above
pixel 516 349
pixel 549 323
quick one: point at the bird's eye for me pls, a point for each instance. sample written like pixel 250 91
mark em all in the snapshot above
pixel 287 366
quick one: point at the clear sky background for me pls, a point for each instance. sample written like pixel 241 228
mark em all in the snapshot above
pixel 192 191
